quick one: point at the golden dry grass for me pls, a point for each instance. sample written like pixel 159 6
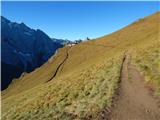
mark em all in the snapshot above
pixel 77 95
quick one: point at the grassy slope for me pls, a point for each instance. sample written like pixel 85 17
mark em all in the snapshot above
pixel 89 77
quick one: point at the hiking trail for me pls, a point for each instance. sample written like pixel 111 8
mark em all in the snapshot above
pixel 133 102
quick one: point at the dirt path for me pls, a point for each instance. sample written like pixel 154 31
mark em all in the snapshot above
pixel 134 101
pixel 60 65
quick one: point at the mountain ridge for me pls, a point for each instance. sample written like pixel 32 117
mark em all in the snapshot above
pixel 23 48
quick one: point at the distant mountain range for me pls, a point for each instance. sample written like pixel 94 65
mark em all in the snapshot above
pixel 23 49
pixel 61 41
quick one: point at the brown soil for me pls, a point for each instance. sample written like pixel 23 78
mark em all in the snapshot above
pixel 134 101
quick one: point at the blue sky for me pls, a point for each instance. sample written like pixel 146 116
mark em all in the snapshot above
pixel 77 20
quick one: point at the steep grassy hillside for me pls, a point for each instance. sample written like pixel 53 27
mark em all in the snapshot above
pixel 86 82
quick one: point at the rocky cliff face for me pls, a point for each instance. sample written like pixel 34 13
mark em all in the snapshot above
pixel 23 49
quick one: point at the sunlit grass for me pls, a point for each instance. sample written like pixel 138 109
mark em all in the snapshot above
pixel 79 96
